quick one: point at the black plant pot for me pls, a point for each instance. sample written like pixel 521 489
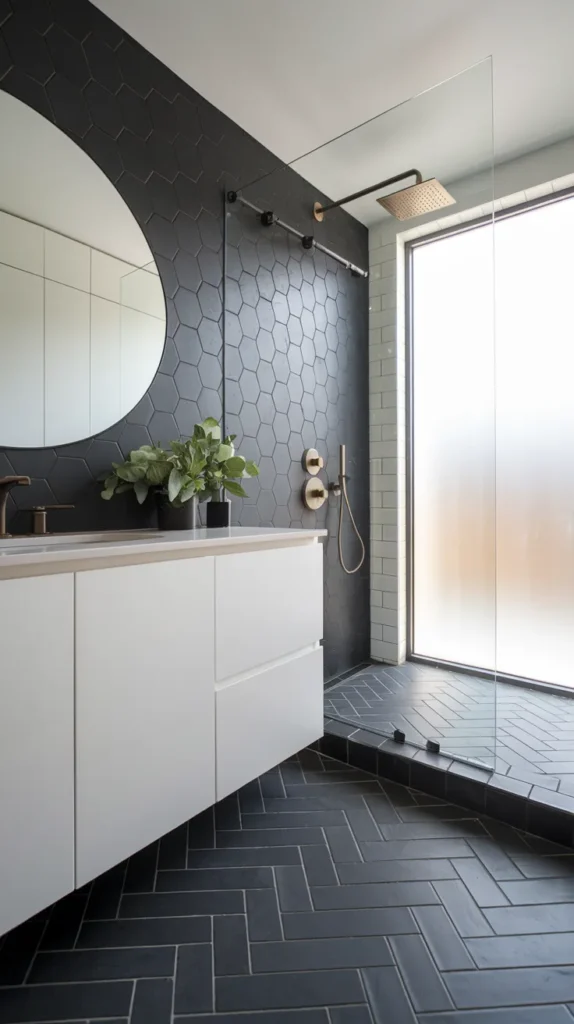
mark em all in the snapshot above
pixel 218 513
pixel 170 518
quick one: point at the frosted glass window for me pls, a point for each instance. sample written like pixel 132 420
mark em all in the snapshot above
pixel 453 445
pixel 535 444
pixel 494 576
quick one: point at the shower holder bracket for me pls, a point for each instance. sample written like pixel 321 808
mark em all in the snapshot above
pixel 268 218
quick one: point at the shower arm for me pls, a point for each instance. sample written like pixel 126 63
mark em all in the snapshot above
pixel 320 210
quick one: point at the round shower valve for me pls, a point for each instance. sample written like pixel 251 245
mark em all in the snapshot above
pixel 312 461
pixel 314 494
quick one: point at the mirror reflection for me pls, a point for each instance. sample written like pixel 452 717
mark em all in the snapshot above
pixel 82 310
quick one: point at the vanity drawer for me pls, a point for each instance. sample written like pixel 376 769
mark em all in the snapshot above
pixel 268 604
pixel 267 717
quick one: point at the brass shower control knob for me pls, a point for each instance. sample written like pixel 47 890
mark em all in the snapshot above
pixel 314 494
pixel 312 461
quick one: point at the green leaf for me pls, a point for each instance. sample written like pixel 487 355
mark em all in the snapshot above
pixel 235 466
pixel 234 488
pixel 130 472
pixel 107 493
pixel 174 484
pixel 188 492
pixel 211 426
pixel 111 482
pixel 157 472
pixel 141 489
pixel 123 488
pixel 224 452
pixel 251 469
pixel 141 457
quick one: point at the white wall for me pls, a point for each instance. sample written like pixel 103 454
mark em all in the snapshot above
pixel 529 177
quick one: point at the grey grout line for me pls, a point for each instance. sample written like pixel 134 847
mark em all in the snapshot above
pixel 132 1000
pixel 82 919
pixel 35 954
pixel 249 960
pixel 278 904
pixel 213 988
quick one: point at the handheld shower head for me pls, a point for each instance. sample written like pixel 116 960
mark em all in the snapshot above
pixel 340 491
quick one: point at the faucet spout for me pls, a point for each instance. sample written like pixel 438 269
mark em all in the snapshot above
pixel 6 484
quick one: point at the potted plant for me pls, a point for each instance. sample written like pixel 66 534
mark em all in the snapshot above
pixel 223 467
pixel 173 477
pixel 203 466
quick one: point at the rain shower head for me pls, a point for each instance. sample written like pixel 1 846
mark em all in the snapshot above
pixel 416 200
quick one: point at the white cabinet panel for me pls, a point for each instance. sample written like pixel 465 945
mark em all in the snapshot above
pixel 21 358
pixel 67 362
pixel 269 716
pixel 105 348
pixel 145 731
pixel 36 745
pixel 67 261
pixel 269 604
pixel 143 339
pixel 107 276
pixel 142 290
pixel 21 244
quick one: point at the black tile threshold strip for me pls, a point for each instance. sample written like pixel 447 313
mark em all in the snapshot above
pixel 533 809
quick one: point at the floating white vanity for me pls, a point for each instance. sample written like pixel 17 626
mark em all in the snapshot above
pixel 143 677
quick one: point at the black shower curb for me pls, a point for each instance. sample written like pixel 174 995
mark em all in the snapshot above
pixel 546 814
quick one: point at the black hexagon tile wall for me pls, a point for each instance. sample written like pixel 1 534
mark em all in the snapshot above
pixel 296 360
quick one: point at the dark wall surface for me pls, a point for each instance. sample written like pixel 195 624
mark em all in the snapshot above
pixel 296 366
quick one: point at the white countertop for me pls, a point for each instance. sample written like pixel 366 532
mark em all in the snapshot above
pixel 70 552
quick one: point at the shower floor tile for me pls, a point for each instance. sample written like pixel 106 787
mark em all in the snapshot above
pixel 524 734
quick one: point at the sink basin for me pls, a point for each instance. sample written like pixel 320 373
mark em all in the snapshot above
pixel 64 539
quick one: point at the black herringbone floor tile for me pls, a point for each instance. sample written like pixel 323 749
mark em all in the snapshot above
pixel 316 895
pixel 534 729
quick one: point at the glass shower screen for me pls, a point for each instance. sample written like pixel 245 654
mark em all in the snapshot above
pixel 452 451
pixel 295 354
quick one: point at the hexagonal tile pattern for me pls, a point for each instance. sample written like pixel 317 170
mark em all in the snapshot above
pixel 296 323
pixel 299 372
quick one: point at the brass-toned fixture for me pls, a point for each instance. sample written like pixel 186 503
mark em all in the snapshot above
pixel 40 518
pixel 6 484
pixel 312 461
pixel 314 494
pixel 339 489
pixel 413 201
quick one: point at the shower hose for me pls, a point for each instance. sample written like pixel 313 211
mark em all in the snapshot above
pixel 345 500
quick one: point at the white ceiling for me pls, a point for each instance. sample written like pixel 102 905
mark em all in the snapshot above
pixel 296 73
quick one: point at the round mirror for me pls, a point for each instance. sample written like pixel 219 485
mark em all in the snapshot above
pixel 82 310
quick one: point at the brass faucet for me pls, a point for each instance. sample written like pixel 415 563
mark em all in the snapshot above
pixel 40 518
pixel 6 483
